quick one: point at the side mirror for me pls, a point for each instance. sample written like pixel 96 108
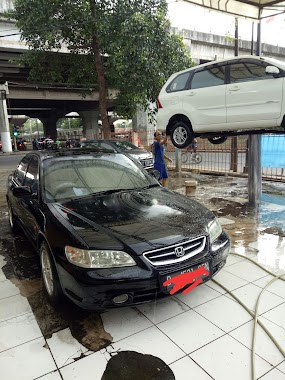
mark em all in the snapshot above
pixel 272 70
pixel 22 191
pixel 155 173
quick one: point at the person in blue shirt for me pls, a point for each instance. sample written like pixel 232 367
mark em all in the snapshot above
pixel 159 156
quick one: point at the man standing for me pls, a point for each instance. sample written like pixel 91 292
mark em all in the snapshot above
pixel 159 156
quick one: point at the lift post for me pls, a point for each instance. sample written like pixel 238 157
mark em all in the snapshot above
pixel 254 153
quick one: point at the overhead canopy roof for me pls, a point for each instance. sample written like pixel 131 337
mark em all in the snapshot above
pixel 254 9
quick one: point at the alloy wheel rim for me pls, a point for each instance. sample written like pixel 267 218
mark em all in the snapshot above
pixel 180 135
pixel 10 216
pixel 47 272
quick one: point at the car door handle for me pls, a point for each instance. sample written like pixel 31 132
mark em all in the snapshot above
pixel 236 88
pixel 192 93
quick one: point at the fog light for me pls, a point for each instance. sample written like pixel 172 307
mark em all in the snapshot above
pixel 121 298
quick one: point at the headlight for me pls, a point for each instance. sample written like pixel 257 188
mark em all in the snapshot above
pixel 214 229
pixel 98 258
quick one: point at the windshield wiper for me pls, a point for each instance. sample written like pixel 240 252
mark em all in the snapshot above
pixel 149 186
pixel 112 191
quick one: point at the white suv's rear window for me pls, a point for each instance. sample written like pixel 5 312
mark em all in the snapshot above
pixel 179 83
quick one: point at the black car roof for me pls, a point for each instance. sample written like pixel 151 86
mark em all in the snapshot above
pixel 49 153
pixel 105 140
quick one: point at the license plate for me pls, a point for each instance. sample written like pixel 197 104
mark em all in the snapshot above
pixel 147 163
pixel 187 270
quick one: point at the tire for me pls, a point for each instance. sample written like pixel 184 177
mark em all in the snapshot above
pixel 50 277
pixel 184 158
pixel 197 159
pixel 181 135
pixel 12 221
pixel 218 140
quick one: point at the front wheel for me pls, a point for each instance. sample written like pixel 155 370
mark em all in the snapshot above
pixel 197 158
pixel 50 276
pixel 181 135
pixel 12 221
pixel 218 140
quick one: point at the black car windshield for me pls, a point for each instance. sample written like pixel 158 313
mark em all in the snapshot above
pixel 124 146
pixel 83 175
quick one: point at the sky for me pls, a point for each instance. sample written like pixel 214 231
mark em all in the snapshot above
pixel 193 17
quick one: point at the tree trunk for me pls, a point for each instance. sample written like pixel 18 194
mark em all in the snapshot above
pixel 101 79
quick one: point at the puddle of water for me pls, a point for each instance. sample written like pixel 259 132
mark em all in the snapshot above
pixel 22 268
pixel 272 213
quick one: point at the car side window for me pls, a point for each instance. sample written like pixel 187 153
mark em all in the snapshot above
pixel 32 175
pixel 21 170
pixel 179 83
pixel 248 71
pixel 107 146
pixel 209 77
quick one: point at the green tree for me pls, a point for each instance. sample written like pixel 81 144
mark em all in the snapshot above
pixel 121 44
pixel 66 123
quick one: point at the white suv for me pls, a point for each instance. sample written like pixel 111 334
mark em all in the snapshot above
pixel 218 98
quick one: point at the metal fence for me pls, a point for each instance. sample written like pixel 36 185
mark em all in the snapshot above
pixel 231 157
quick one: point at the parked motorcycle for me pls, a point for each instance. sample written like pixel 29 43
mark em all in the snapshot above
pixel 21 145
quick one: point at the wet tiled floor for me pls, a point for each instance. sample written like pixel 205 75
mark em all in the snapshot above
pixel 203 335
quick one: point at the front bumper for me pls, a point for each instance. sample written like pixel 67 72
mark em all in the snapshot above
pixel 94 290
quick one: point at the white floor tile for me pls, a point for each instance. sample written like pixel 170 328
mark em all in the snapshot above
pixel 7 289
pixel 225 359
pixel 162 310
pixel 277 287
pixel 216 287
pixel 264 346
pixel 90 368
pixel 26 362
pixel 51 376
pixel 224 313
pixel 281 367
pixel 18 330
pixel 244 251
pixel 249 294
pixel 274 375
pixel 225 221
pixel 199 295
pixel 246 270
pixel 65 348
pixel 3 262
pixel 186 366
pixel 270 251
pixel 2 276
pixel 151 342
pixel 124 322
pixel 190 331
pixel 230 281
pixel 277 315
pixel 13 307
pixel 232 260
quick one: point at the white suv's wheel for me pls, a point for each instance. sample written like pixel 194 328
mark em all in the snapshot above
pixel 181 135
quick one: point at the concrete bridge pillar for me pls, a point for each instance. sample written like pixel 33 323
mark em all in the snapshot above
pixel 91 128
pixel 49 124
pixel 4 123
pixel 144 126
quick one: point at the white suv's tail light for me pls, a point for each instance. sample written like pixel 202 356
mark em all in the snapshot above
pixel 159 105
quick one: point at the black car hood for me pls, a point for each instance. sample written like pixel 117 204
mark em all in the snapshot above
pixel 143 219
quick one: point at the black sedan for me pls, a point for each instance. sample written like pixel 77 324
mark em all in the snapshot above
pixel 120 146
pixel 107 233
